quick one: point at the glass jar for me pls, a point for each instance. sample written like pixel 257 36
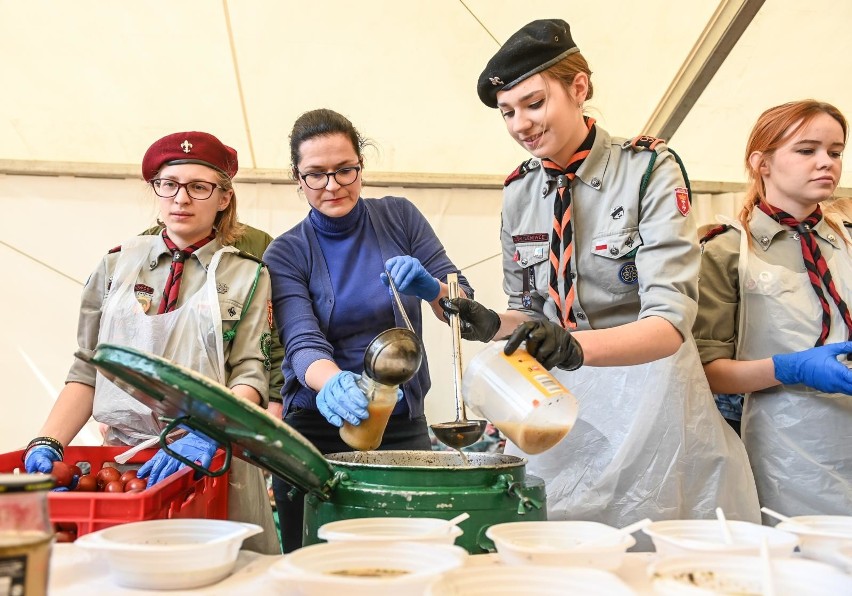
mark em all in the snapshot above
pixel 25 533
pixel 381 402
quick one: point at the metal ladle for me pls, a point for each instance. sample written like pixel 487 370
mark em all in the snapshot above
pixel 394 355
pixel 462 432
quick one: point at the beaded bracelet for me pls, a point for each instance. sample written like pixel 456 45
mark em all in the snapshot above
pixel 47 442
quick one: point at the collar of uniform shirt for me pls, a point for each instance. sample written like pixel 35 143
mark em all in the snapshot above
pixel 203 254
pixel 763 226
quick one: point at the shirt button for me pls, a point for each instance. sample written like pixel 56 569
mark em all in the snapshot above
pixel 153 264
pixel 764 240
pixel 573 275
pixel 544 190
pixel 523 261
pixel 830 237
pixel 596 183
pixel 581 316
pixel 613 251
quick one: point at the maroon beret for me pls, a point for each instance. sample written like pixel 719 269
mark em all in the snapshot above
pixel 535 47
pixel 189 147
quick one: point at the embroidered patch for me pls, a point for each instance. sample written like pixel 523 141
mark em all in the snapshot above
pixel 522 238
pixel 221 288
pixel 600 246
pixel 232 311
pixel 270 318
pixel 144 295
pixel 682 200
pixel 266 349
pixel 628 274
pixel 617 213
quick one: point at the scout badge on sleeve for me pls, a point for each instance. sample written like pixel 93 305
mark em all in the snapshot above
pixel 682 200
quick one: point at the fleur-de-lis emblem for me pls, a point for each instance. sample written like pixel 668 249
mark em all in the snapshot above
pixel 186 146
pixel 496 81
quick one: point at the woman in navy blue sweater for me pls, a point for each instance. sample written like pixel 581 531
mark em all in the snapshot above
pixel 330 300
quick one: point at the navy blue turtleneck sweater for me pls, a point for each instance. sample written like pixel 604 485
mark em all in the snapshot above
pixel 328 300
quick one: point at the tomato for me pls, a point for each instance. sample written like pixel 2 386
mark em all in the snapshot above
pixel 87 483
pixel 107 475
pixel 66 536
pixel 135 485
pixel 62 473
pixel 128 475
pixel 114 486
pixel 76 470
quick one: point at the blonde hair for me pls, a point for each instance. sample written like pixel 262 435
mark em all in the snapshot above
pixel 772 129
pixel 228 229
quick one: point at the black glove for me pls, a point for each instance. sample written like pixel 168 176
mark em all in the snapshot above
pixel 477 323
pixel 548 343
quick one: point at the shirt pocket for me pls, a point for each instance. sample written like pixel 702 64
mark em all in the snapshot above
pixel 614 260
pixel 231 310
pixel 534 258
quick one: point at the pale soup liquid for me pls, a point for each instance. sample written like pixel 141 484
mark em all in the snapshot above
pixel 532 439
pixel 368 435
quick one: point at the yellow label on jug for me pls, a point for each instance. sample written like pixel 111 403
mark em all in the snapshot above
pixel 535 373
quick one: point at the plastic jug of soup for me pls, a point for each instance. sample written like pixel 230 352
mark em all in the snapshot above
pixel 25 533
pixel 520 397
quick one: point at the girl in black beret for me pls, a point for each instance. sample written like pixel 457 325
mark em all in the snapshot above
pixel 600 262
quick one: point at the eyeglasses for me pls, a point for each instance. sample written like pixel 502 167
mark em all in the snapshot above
pixel 197 189
pixel 319 180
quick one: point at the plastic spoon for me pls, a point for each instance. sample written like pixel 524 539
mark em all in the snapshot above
pixel 451 523
pixel 124 456
pixel 784 518
pixel 723 523
pixel 620 532
pixel 766 569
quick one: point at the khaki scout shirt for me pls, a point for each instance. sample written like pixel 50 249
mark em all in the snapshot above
pixel 247 358
pixel 254 242
pixel 715 327
pixel 630 260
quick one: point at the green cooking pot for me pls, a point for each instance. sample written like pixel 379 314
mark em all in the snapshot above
pixel 492 488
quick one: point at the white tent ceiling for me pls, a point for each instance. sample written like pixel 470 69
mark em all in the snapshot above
pixel 95 81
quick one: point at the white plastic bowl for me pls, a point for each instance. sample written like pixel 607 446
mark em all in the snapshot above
pixel 329 568
pixel 560 543
pixel 375 530
pixel 844 555
pixel 691 536
pixel 170 554
pixel 706 575
pixel 529 580
pixel 821 536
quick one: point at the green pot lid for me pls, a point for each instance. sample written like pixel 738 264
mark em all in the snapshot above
pixel 173 391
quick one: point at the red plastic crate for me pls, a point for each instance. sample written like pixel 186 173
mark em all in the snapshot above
pixel 178 496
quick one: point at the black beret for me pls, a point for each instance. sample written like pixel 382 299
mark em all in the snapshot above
pixel 536 47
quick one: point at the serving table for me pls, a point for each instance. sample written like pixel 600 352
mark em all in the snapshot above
pixel 77 572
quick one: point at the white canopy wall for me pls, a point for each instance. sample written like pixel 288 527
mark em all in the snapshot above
pixel 89 85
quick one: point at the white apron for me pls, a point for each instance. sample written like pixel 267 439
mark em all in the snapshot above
pixel 799 439
pixel 192 337
pixel 648 442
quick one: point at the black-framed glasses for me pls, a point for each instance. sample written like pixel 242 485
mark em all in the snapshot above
pixel 319 180
pixel 196 189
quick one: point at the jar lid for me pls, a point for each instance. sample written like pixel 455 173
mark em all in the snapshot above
pixel 19 483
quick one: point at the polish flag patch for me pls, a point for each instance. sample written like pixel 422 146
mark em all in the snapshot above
pixel 682 200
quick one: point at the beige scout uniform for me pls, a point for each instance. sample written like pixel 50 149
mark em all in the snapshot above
pixel 649 441
pixel 757 301
pixel 211 271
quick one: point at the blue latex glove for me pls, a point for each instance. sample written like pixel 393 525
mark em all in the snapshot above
pixel 162 465
pixel 411 278
pixel 40 459
pixel 341 399
pixel 817 368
